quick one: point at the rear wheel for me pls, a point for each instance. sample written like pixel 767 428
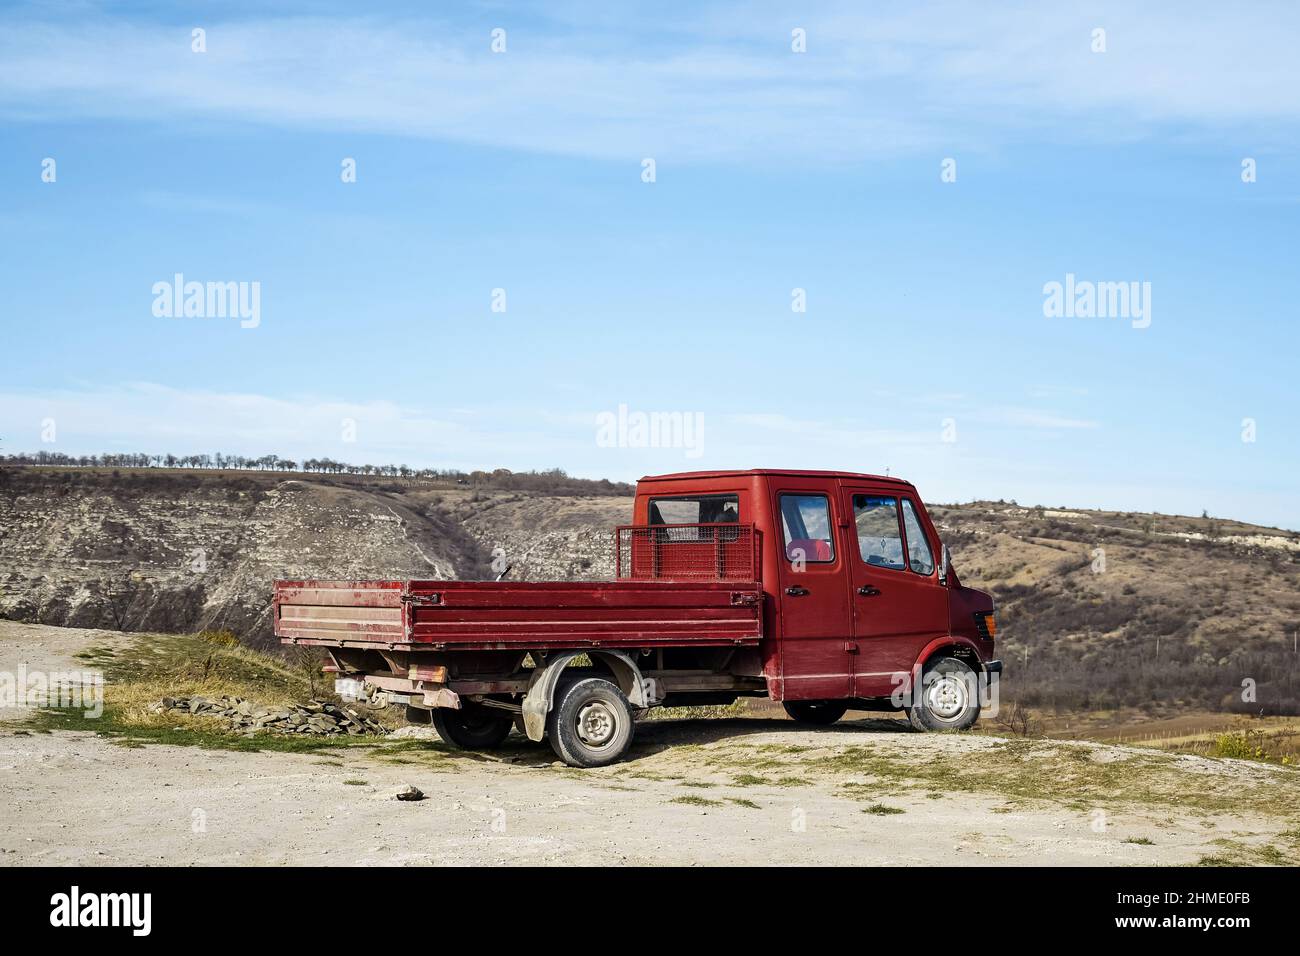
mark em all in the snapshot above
pixel 823 713
pixel 948 698
pixel 473 727
pixel 590 724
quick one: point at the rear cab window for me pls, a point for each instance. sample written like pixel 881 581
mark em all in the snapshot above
pixel 806 522
pixel 694 509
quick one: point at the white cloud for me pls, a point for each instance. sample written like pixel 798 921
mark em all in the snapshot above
pixel 722 85
pixel 158 419
pixel 154 418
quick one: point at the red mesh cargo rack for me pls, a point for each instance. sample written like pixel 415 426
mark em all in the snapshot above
pixel 687 552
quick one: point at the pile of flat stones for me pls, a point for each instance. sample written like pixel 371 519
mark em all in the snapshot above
pixel 313 717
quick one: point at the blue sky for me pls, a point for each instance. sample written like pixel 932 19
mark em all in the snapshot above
pixel 775 170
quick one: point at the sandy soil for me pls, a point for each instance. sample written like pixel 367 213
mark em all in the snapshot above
pixel 75 798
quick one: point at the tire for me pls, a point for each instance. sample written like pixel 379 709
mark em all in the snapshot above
pixel 590 723
pixel 948 697
pixel 473 727
pixel 821 713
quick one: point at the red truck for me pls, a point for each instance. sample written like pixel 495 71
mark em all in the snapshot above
pixel 822 590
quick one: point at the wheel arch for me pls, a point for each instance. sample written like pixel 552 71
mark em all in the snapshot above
pixel 540 697
pixel 950 646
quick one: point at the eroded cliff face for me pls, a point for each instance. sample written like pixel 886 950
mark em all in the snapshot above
pixel 179 552
pixel 545 538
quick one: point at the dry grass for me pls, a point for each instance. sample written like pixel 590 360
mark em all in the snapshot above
pixel 210 664
pixel 1079 776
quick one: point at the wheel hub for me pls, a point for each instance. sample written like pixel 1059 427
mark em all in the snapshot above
pixel 596 724
pixel 946 697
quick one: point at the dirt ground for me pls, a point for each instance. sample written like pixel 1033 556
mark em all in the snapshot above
pixel 684 797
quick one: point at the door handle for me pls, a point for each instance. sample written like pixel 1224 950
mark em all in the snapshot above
pixel 795 590
pixel 851 646
pixel 868 591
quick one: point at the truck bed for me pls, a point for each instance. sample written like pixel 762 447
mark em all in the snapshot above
pixel 502 615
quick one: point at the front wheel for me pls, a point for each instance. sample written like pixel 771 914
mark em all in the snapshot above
pixel 822 713
pixel 948 698
pixel 473 727
pixel 590 724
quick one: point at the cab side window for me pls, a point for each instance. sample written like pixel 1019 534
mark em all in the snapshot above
pixel 879 540
pixel 918 549
pixel 806 520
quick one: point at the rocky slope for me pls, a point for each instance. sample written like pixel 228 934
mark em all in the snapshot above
pixel 177 552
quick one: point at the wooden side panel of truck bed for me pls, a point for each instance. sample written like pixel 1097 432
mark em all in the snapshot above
pixel 492 615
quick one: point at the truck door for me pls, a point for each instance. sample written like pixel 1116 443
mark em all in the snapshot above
pixel 899 606
pixel 816 662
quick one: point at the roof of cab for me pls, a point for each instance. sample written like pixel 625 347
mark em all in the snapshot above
pixel 788 472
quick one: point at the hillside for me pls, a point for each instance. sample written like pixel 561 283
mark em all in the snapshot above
pixel 173 551
pixel 1105 609
pixel 1179 612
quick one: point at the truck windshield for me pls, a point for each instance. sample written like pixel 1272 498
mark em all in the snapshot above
pixel 695 509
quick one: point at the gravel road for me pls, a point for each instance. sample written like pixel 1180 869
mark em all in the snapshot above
pixel 684 797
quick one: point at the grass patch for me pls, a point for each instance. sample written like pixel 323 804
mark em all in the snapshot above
pixel 1023 771
pixel 207 734
pixel 750 780
pixel 356 783
pixel 1272 856
pixel 702 784
pixel 737 708
pixel 1140 841
pixel 209 664
pixel 742 802
pixel 693 801
pixel 1279 747
pixel 881 810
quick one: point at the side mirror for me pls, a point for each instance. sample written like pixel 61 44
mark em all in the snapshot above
pixel 944 560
